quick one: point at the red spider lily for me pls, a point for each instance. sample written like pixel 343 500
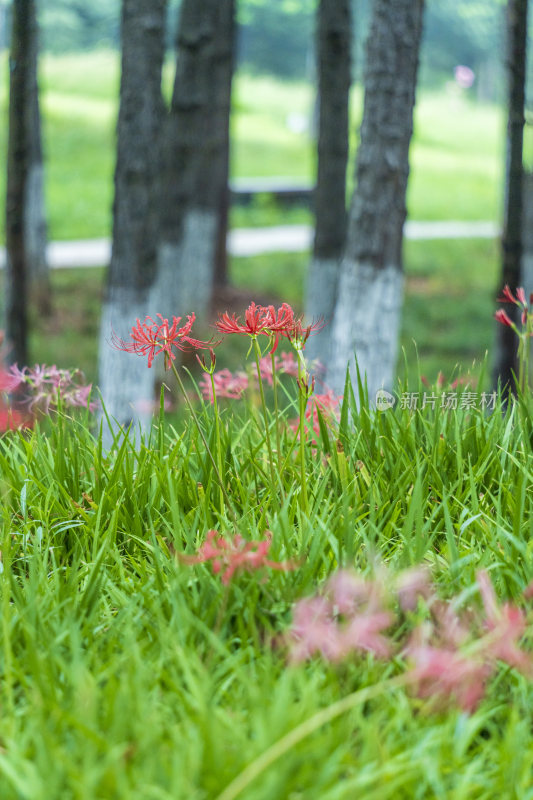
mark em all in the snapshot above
pixel 258 320
pixel 227 384
pixel 235 554
pixel 444 673
pixel 149 338
pixel 508 297
pixel 10 380
pixel 318 628
pixel 298 333
pixel 502 317
pixel 506 625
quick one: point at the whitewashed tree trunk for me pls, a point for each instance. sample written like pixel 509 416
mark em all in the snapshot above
pixel 506 357
pixel 527 235
pixel 333 38
pixel 36 239
pixel 126 383
pixel 35 215
pixel 368 310
pixel 187 264
pixel 195 160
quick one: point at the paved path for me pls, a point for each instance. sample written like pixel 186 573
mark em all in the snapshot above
pixel 253 241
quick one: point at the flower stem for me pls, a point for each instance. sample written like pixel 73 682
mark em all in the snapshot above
pixel 305 729
pixel 302 379
pixel 257 354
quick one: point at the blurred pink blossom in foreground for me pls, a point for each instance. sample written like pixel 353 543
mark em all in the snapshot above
pixel 450 655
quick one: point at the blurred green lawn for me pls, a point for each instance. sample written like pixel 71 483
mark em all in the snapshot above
pixel 456 155
pixel 456 174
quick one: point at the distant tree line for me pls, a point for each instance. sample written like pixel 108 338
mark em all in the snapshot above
pixel 277 37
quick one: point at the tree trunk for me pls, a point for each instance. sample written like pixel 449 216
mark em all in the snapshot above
pixel 334 66
pixel 367 313
pixel 505 363
pixel 195 173
pixel 18 161
pixel 35 227
pixel 125 381
pixel 527 234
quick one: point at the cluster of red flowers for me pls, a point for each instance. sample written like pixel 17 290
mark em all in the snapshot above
pixel 235 554
pixel 269 322
pixel 451 655
pixel 519 301
pixel 149 338
pixel 45 386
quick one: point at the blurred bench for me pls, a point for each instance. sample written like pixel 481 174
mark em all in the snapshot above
pixel 289 191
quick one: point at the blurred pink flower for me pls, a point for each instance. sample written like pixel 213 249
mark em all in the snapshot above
pixel 234 554
pixel 314 630
pixel 445 674
pixel 506 625
pixel 227 384
pixel 348 617
pixel 412 584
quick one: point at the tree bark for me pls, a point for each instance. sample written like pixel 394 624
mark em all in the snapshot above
pixel 125 381
pixel 18 161
pixel 333 38
pixel 505 363
pixel 367 313
pixel 195 174
pixel 35 227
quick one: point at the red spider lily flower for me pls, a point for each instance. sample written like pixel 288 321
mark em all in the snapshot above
pixel 282 320
pixel 257 319
pixel 502 317
pixel 412 584
pixel 149 338
pixel 314 630
pixel 227 384
pixel 235 554
pixel 289 365
pixel 298 333
pixel 444 673
pixel 11 380
pixel 506 624
pixel 508 297
pixel 349 617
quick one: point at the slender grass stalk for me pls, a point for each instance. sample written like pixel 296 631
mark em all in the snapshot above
pixel 204 440
pixel 6 616
pixel 276 406
pixel 305 729
pixel 217 437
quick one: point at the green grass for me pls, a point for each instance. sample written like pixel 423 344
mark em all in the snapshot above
pixel 128 674
pixel 457 153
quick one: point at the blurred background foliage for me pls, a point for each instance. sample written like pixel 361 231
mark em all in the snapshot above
pixel 277 38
